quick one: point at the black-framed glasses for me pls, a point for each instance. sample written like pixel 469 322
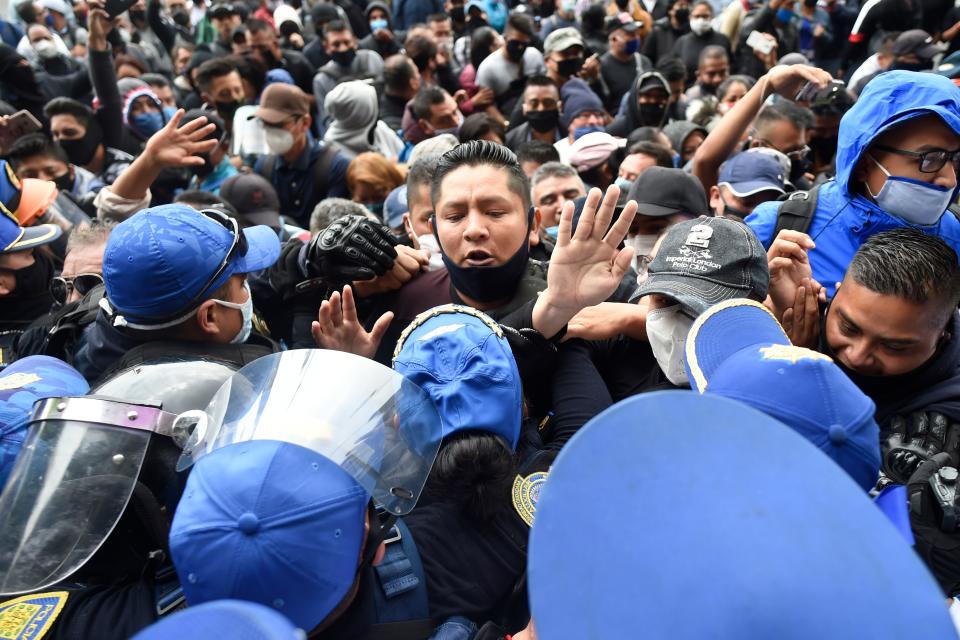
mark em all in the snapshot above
pixel 797 154
pixel 930 161
pixel 82 283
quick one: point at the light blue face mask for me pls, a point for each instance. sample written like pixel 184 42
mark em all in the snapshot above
pixel 623 183
pixel 378 24
pixel 246 310
pixel 552 232
pixel 579 132
pixel 915 201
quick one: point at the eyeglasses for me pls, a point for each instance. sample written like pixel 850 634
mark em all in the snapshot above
pixel 82 283
pixel 930 161
pixel 797 154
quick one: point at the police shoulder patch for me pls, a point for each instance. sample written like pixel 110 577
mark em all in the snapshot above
pixel 526 492
pixel 30 617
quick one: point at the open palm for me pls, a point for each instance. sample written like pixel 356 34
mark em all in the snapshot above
pixel 176 146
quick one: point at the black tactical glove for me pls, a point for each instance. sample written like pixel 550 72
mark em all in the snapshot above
pixel 907 441
pixel 939 550
pixel 351 248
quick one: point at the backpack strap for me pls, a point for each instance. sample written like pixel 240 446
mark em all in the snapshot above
pixel 269 162
pixel 796 212
pixel 321 170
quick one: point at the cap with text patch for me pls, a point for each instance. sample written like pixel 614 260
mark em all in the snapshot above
pixel 708 260
pixel 738 350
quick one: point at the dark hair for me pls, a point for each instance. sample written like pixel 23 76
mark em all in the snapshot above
pixel 398 72
pixel 437 17
pixel 420 174
pixel 712 52
pixel 155 79
pixel 482 152
pixel 724 86
pixel 421 50
pixel 474 470
pixel 592 18
pixel 481 43
pixel 70 107
pixel 537 151
pixel 335 26
pixel 801 115
pixel 694 5
pixel 211 69
pixel 661 154
pixel 885 47
pixel 255 25
pixel 250 69
pixel 672 68
pixel 27 12
pixel 779 113
pixel 840 104
pixel 34 144
pixel 912 265
pixel 521 23
pixel 133 61
pixel 426 98
pixel 477 125
pixel 540 81
pixel 205 200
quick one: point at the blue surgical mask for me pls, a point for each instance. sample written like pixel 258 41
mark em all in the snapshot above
pixel 168 112
pixel 676 160
pixel 579 132
pixel 784 15
pixel 915 201
pixel 379 24
pixel 552 232
pixel 246 310
pixel 632 46
pixel 623 183
pixel 148 123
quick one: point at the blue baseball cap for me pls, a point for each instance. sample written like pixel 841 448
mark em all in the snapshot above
pixel 395 206
pixel 269 522
pixel 747 174
pixel 461 358
pixel 738 350
pixel 159 260
pixel 21 385
pixel 696 517
pixel 223 619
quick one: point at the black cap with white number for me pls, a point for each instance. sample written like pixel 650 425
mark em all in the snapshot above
pixel 707 260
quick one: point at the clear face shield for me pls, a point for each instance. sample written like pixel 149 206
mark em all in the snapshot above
pixel 70 485
pixel 378 426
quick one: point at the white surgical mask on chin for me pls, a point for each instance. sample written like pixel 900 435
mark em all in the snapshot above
pixel 667 330
pixel 915 201
pixel 278 141
pixel 246 310
pixel 429 242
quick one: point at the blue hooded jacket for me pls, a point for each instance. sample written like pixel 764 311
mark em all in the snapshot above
pixel 844 219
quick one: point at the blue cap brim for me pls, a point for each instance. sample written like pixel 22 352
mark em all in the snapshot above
pixel 723 330
pixel 263 249
pixel 35 236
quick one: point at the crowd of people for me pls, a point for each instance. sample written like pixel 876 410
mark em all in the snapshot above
pixel 479 320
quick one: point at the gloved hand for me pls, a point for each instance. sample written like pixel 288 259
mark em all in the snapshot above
pixel 352 248
pixel 907 441
pixel 939 550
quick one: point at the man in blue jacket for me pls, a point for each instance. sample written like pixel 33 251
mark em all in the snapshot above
pixel 897 161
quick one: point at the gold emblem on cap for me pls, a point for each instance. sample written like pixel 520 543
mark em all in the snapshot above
pixel 791 354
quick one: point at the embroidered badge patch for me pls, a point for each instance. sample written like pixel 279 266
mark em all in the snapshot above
pixel 30 617
pixel 526 492
pixel 18 380
pixel 791 354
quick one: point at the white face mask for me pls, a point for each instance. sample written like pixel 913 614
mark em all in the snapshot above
pixel 46 49
pixel 667 331
pixel 278 140
pixel 915 201
pixel 429 242
pixel 642 243
pixel 700 26
pixel 246 310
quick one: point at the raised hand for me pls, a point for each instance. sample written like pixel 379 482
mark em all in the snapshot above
pixel 338 328
pixel 586 266
pixel 789 265
pixel 176 146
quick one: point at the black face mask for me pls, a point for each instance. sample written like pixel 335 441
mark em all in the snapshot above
pixel 228 109
pixel 422 60
pixel 622 4
pixel 824 149
pixel 138 15
pixel 80 151
pixel 651 114
pixel 543 121
pixel 475 23
pixel 810 3
pixel 488 284
pixel 682 16
pixel 569 67
pixel 31 299
pixel 457 14
pixel 911 66
pixel 799 167
pixel 515 50
pixel 64 182
pixel 181 17
pixel 344 58
pixel 205 169
pixel 709 89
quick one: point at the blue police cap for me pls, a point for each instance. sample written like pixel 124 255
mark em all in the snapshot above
pixel 678 515
pixel 158 260
pixel 461 358
pixel 23 383
pixel 269 522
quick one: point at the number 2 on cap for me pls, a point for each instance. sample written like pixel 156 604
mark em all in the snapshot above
pixel 699 236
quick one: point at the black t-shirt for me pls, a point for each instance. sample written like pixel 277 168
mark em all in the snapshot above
pixel 620 76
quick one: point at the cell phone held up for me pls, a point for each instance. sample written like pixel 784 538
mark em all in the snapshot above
pixel 760 43
pixel 819 97
pixel 19 124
